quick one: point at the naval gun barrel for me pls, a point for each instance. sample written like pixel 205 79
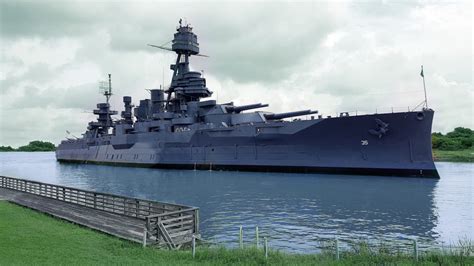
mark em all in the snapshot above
pixel 241 108
pixel 289 114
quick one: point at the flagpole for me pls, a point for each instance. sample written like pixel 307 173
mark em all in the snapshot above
pixel 424 86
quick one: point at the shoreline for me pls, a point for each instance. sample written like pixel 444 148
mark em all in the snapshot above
pixel 30 237
pixel 461 156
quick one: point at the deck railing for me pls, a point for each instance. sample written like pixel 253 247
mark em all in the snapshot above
pixel 165 223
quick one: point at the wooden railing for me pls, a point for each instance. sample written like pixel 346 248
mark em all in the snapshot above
pixel 167 223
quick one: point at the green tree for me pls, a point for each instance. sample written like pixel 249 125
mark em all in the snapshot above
pixel 6 148
pixel 38 146
pixel 459 139
pixel 437 141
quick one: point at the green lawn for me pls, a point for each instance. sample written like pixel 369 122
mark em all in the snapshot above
pixel 28 237
pixel 454 156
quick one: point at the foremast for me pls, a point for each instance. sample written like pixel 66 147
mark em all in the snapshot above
pixel 104 121
pixel 185 85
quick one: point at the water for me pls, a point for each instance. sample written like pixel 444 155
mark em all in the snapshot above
pixel 295 211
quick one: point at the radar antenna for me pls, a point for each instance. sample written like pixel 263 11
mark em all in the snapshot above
pixel 106 88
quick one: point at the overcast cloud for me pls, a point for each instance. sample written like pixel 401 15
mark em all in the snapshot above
pixel 329 56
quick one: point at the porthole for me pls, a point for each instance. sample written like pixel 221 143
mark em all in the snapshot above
pixel 420 116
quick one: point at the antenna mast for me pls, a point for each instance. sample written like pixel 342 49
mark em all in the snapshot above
pixel 106 88
pixel 424 86
pixel 108 93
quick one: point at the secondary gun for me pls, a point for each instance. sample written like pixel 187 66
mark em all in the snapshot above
pixel 289 114
pixel 238 109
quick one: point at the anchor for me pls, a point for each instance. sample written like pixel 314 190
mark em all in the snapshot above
pixel 382 128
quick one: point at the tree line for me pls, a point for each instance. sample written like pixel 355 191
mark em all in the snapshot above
pixel 36 145
pixel 459 139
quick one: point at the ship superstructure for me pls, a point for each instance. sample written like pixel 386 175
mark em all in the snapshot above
pixel 179 128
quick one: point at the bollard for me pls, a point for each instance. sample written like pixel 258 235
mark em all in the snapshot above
pixel 144 237
pixel 415 250
pixel 194 246
pixel 337 249
pixel 241 237
pixel 194 166
pixel 265 248
pixel 210 167
pixel 256 235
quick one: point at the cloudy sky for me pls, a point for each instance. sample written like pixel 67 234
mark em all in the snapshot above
pixel 330 56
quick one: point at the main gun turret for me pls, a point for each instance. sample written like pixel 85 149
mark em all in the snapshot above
pixel 238 109
pixel 289 114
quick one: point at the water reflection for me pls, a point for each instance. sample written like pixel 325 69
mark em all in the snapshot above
pixel 295 211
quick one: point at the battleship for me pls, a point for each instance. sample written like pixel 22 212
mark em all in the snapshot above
pixel 178 128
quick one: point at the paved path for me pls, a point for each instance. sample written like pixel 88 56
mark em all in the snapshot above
pixel 113 224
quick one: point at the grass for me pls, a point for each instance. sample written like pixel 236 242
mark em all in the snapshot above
pixel 454 156
pixel 28 237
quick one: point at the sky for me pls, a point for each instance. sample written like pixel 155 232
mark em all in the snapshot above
pixel 333 56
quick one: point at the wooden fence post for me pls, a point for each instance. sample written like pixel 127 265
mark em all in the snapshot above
pixel 415 250
pixel 337 249
pixel 137 203
pixel 196 221
pixel 145 233
pixel 158 222
pixel 194 245
pixel 241 237
pixel 256 236
pixel 265 247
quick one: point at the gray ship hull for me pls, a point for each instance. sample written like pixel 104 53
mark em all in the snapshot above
pixel 348 144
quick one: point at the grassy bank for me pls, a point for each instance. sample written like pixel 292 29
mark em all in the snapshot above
pixel 28 237
pixel 455 146
pixel 466 155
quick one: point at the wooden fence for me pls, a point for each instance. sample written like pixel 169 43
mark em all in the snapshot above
pixel 164 223
pixel 173 228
